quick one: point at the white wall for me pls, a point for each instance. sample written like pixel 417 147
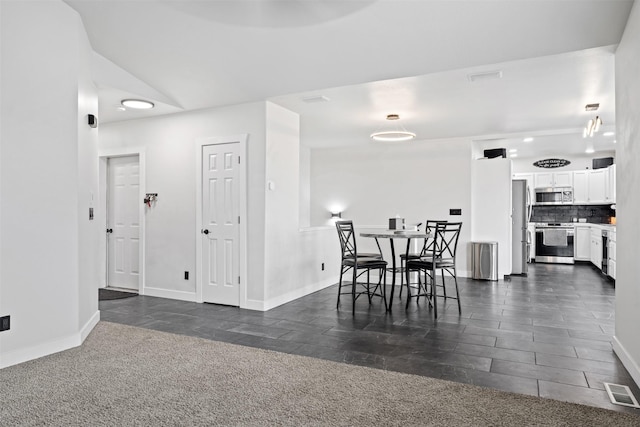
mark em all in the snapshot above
pixel 88 193
pixel 626 342
pixel 417 180
pixel 45 91
pixel 283 261
pixel 491 207
pixel 293 257
pixel 169 145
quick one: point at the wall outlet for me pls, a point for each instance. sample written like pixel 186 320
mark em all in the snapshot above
pixel 186 275
pixel 5 323
pixel 323 266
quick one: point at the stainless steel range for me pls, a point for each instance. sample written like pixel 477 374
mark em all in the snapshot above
pixel 554 243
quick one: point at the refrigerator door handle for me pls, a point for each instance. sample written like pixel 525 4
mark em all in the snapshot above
pixel 529 209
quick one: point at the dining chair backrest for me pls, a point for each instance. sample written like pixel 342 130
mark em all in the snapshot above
pixel 429 242
pixel 347 237
pixel 446 240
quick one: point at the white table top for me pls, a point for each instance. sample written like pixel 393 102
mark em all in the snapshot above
pixel 395 234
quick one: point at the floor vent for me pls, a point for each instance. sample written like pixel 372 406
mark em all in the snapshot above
pixel 621 395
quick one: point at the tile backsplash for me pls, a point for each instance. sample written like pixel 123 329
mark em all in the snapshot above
pixel 598 214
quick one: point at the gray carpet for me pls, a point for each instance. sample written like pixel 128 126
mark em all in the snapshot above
pixel 128 376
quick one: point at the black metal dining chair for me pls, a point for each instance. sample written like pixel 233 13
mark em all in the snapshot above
pixel 442 259
pixel 359 264
pixel 427 250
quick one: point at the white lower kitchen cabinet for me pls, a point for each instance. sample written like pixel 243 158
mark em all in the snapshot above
pixel 611 252
pixel 596 247
pixel 582 243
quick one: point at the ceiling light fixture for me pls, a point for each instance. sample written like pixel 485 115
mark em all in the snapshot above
pixel 608 133
pixel 513 150
pixel 592 127
pixel 589 151
pixel 397 133
pixel 137 104
pixel 528 139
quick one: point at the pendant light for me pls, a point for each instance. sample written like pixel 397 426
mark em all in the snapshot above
pixel 395 133
pixel 592 127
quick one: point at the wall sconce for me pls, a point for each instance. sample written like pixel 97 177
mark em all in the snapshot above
pixel 336 215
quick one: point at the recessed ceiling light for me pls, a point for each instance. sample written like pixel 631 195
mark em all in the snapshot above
pixel 589 150
pixel 137 104
pixel 513 155
pixel 513 150
pixel 609 133
pixel 528 139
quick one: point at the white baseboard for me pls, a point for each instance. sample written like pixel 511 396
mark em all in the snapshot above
pixel 34 352
pixel 289 296
pixel 253 304
pixel 626 360
pixel 171 294
pixel 88 327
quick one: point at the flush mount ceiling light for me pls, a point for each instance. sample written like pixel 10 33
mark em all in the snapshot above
pixel 592 127
pixel 137 104
pixel 396 133
pixel 528 139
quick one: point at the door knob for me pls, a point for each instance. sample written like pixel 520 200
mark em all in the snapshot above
pixel 205 231
pixel 109 230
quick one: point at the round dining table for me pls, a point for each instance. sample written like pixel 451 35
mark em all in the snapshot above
pixel 393 235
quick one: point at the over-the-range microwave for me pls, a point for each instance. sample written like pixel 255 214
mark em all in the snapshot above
pixel 554 196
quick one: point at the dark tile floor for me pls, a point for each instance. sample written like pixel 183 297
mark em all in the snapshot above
pixel 548 334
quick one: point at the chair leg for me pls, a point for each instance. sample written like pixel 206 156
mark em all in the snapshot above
pixel 353 290
pixel 444 288
pixel 407 274
pixel 455 280
pixel 368 285
pixel 409 296
pixel 340 286
pixel 403 267
pixel 383 272
pixel 434 293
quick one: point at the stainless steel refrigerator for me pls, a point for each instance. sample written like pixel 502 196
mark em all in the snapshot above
pixel 520 215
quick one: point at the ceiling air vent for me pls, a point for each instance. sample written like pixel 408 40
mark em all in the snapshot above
pixel 621 395
pixel 316 98
pixel 485 75
pixel 591 107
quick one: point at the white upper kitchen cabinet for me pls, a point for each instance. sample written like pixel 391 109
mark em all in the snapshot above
pixel 581 187
pixel 611 186
pixel 598 180
pixel 554 179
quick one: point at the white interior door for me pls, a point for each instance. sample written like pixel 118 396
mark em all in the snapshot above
pixel 123 222
pixel 221 224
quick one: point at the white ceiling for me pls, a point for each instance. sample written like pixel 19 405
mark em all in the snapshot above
pixel 371 58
